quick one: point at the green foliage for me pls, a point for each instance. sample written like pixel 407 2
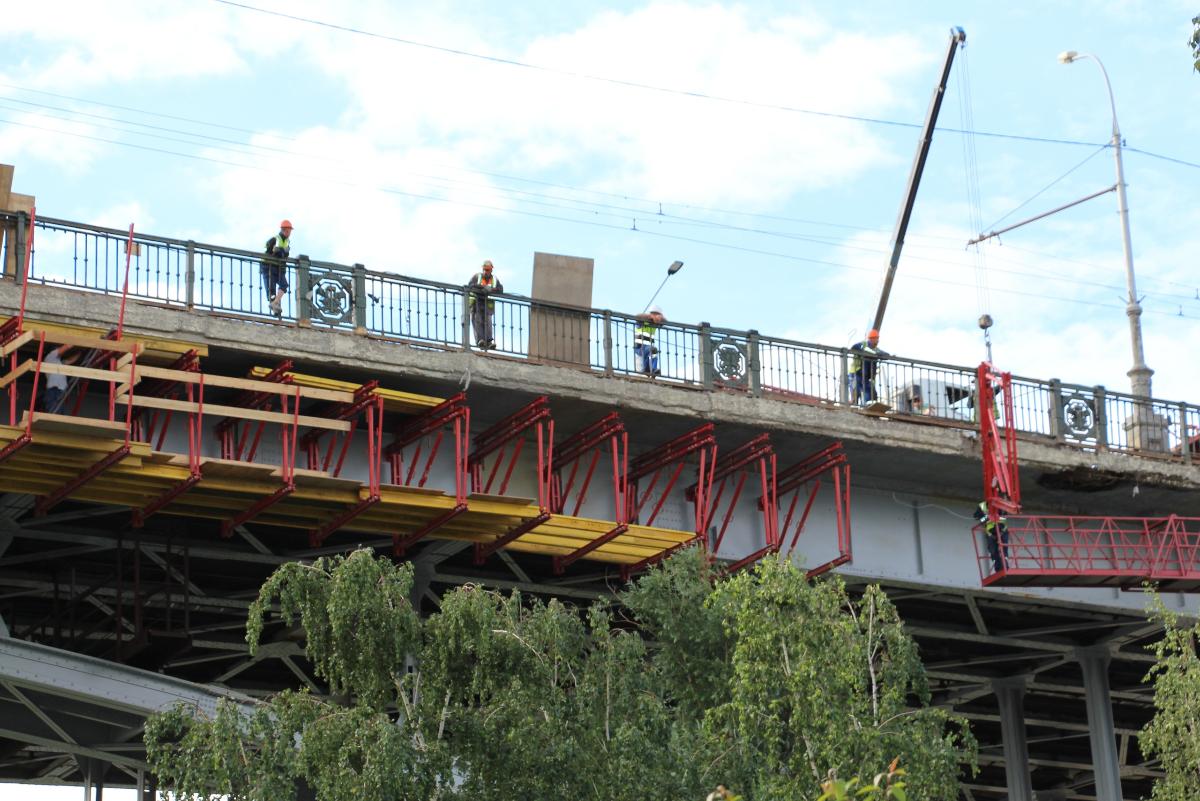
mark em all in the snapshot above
pixel 1173 735
pixel 889 785
pixel 766 682
pixel 1194 43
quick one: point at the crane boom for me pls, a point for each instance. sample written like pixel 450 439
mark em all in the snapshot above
pixel 958 37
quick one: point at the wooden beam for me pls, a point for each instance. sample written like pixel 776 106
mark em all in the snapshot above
pixel 248 384
pixel 220 410
pixel 15 344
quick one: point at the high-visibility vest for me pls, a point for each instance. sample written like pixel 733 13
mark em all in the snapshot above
pixel 989 525
pixel 281 241
pixel 644 335
pixel 478 281
pixel 856 355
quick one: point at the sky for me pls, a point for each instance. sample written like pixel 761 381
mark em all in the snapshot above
pixel 767 145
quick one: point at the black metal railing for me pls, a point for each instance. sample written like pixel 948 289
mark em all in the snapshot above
pixel 228 281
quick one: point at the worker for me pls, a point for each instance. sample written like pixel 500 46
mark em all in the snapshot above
pixel 56 383
pixel 274 267
pixel 482 286
pixel 645 352
pixel 996 532
pixel 864 361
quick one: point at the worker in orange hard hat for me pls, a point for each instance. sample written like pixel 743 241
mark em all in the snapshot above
pixel 480 288
pixel 274 267
pixel 864 361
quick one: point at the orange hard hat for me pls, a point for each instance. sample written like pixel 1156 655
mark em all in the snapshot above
pixel 873 334
pixel 285 224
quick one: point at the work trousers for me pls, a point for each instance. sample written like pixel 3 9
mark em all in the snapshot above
pixel 483 317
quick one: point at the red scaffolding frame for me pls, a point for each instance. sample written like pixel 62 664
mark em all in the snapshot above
pixel 736 466
pixel 668 460
pixel 427 432
pixel 366 404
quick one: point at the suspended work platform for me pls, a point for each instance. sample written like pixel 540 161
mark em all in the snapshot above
pixel 138 440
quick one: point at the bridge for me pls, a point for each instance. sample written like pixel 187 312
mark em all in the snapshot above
pixel 201 443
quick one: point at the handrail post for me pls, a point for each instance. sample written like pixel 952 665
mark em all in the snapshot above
pixel 360 297
pixel 1185 443
pixel 844 378
pixel 706 355
pixel 303 291
pixel 608 343
pixel 189 276
pixel 465 314
pixel 1098 395
pixel 19 261
pixel 1056 410
pixel 754 368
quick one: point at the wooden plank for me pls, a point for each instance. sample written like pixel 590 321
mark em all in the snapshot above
pixel 231 468
pixel 15 344
pixel 161 347
pixel 506 499
pixel 394 400
pixel 218 410
pixel 88 343
pixel 91 373
pixel 15 373
pixel 248 384
pixel 319 478
pixel 68 424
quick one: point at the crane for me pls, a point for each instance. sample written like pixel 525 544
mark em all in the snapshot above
pixel 958 38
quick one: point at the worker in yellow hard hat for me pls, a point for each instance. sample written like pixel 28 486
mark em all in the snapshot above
pixel 274 267
pixel 864 361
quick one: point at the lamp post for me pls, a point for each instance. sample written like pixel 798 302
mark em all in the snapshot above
pixel 675 267
pixel 1139 374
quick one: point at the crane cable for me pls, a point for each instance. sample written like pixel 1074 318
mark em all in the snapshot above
pixel 966 114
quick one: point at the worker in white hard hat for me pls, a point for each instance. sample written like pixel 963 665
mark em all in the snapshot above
pixel 645 352
pixel 274 267
pixel 483 308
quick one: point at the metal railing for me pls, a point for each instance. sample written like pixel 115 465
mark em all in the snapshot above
pixel 228 281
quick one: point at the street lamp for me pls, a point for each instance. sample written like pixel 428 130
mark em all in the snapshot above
pixel 675 267
pixel 1139 374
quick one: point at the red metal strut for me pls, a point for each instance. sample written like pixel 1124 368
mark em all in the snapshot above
pixel 671 457
pixel 452 414
pixel 365 401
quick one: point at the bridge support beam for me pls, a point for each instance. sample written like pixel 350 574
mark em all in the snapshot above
pixel 1010 695
pixel 1105 762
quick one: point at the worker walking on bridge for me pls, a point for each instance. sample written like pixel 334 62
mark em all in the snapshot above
pixel 274 267
pixel 481 287
pixel 864 362
pixel 996 532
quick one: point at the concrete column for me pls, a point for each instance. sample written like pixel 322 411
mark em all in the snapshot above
pixel 1105 762
pixel 1010 693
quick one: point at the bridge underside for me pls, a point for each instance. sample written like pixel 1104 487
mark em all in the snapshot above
pixel 173 599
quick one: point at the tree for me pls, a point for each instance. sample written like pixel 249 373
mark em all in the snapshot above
pixel 765 683
pixel 1173 734
pixel 1194 42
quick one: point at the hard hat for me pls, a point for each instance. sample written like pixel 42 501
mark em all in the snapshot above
pixel 285 224
pixel 655 310
pixel 873 334
pixel 487 263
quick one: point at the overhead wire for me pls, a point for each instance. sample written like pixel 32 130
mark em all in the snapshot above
pixel 985 228
pixel 649 218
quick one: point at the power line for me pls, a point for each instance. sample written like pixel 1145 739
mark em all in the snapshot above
pixel 593 223
pixel 635 84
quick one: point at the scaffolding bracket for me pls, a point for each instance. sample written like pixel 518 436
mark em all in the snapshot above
pixel 401 543
pixel 561 563
pixel 485 549
pixel 534 415
pixel 607 431
pixel 48 502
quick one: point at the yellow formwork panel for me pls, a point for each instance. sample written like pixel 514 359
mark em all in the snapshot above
pixel 394 400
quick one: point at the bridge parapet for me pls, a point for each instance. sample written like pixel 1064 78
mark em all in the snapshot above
pixel 227 281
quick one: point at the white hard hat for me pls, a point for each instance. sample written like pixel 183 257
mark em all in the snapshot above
pixel 655 310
